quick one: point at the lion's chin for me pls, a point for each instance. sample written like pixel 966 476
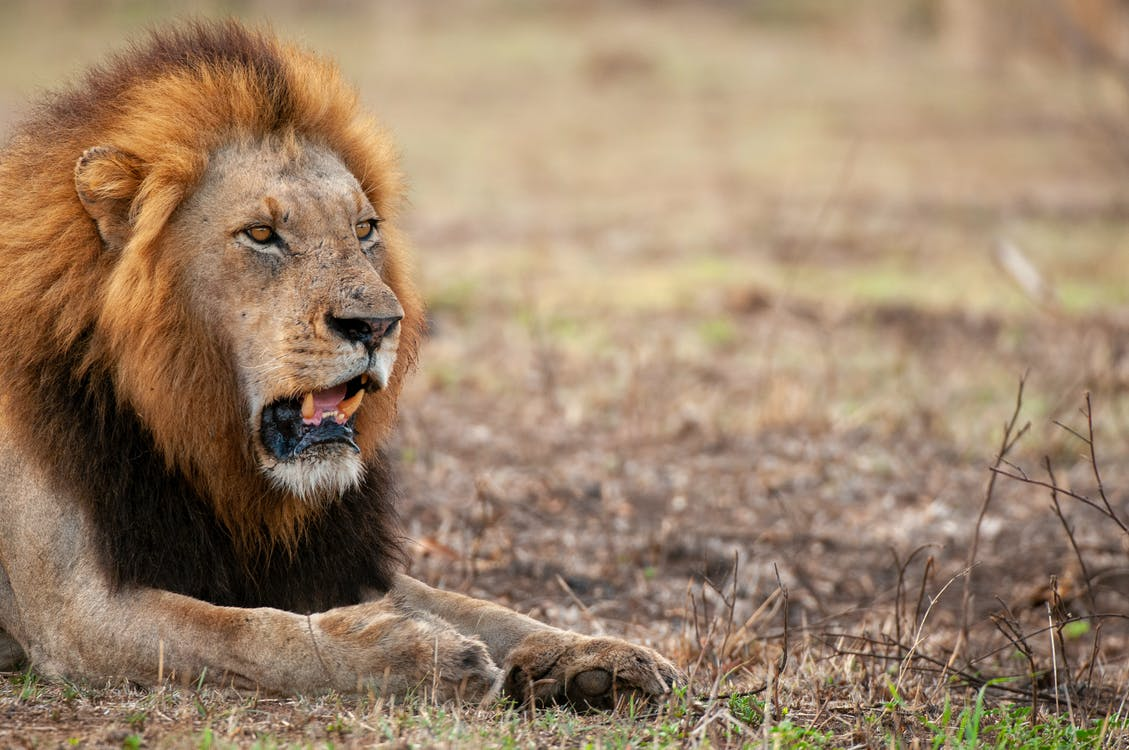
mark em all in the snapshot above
pixel 319 477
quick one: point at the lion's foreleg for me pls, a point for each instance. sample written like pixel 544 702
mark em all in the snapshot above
pixel 147 635
pixel 59 603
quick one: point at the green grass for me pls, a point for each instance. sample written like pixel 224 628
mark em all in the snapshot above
pixel 1010 726
pixel 211 719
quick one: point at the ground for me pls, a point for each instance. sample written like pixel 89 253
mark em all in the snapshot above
pixel 721 354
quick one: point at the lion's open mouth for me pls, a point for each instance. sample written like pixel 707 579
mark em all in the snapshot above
pixel 291 426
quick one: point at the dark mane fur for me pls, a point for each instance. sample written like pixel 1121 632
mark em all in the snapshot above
pixel 157 531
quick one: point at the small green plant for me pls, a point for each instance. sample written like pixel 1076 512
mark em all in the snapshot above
pixel 132 742
pixel 338 726
pixel 939 728
pixel 746 708
pixel 679 704
pixel 787 734
pixel 968 727
pixel 71 690
pixel 29 685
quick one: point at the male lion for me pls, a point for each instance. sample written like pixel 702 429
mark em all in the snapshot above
pixel 205 320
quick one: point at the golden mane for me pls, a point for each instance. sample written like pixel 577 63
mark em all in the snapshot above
pixel 75 315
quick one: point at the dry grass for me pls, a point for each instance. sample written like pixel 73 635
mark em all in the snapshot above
pixel 720 359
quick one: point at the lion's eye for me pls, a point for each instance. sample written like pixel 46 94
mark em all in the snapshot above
pixel 261 234
pixel 364 229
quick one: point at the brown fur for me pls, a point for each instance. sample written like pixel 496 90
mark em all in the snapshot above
pixel 139 537
pixel 79 288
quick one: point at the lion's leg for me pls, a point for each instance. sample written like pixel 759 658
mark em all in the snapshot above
pixel 544 663
pixel 144 635
pixel 147 634
pixel 58 603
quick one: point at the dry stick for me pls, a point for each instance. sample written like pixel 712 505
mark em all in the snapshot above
pixel 1094 465
pixel 705 641
pixel 1056 609
pixel 1095 649
pixel 919 636
pixel 1068 493
pixel 1009 625
pixel 730 603
pixel 1006 445
pixel 1098 617
pixel 702 640
pixel 1054 660
pixel 899 589
pixel 694 616
pixel 975 680
pixel 783 661
pixel 938 667
pixel 682 636
pixel 1090 600
pixel 929 565
pixel 1104 508
pixel 1069 534
pixel 739 637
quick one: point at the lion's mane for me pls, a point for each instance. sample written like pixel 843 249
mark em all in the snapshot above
pixel 122 397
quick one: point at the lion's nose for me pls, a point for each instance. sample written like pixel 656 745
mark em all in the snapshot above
pixel 367 331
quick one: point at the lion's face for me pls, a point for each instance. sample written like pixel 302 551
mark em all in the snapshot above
pixel 286 269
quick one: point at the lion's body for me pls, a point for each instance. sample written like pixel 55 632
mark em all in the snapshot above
pixel 205 322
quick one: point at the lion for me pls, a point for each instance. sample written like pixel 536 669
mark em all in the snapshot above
pixel 205 321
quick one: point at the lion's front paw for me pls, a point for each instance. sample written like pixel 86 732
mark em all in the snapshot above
pixel 417 655
pixel 586 672
pixel 461 669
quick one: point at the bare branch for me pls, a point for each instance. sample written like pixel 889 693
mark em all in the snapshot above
pixel 1009 439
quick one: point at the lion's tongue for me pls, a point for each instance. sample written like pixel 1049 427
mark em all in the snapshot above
pixel 325 402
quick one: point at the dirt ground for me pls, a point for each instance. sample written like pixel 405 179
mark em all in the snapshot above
pixel 717 314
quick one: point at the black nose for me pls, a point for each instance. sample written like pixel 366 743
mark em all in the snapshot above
pixel 368 331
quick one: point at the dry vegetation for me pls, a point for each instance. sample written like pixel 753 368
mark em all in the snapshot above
pixel 720 360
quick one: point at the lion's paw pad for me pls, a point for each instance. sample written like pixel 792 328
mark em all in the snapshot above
pixel 558 667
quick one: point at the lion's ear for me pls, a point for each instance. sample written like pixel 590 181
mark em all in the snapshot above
pixel 106 181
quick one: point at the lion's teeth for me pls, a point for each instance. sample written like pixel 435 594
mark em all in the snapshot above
pixel 308 406
pixel 364 378
pixel 349 406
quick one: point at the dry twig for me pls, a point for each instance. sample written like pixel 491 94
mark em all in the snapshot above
pixel 1008 441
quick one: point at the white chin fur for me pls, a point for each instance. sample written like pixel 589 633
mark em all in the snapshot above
pixel 318 479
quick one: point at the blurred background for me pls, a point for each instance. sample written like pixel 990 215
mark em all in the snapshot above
pixel 868 150
pixel 740 279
